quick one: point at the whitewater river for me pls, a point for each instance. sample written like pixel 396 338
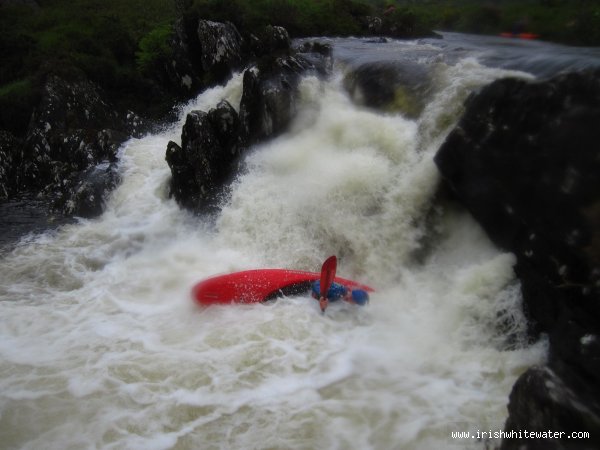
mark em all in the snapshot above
pixel 101 346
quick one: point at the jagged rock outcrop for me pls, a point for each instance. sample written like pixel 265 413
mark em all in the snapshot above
pixel 203 163
pixel 212 143
pixel 525 161
pixel 272 40
pixel 69 153
pixel 205 53
pixel 269 97
pixel 181 72
pixel 73 130
pixel 221 48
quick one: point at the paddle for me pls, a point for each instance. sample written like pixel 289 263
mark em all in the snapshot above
pixel 327 276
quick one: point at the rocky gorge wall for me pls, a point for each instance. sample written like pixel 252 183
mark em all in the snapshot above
pixel 525 161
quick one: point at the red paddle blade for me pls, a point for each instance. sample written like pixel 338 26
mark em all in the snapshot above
pixel 327 274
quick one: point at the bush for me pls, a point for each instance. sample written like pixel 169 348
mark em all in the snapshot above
pixel 17 100
pixel 154 49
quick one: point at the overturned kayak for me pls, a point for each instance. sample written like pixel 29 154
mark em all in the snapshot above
pixel 259 285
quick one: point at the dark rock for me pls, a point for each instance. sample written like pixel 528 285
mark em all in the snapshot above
pixel 85 194
pixel 10 148
pixel 221 48
pixel 270 42
pixel 213 142
pixel 73 130
pixel 542 403
pixel 525 161
pixel 373 24
pixel 319 55
pixel 269 97
pixel 182 75
pixel 202 53
pixel 226 124
pixel 183 186
pixel 203 164
pixel 390 87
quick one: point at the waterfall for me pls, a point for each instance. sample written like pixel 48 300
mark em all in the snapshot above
pixel 102 347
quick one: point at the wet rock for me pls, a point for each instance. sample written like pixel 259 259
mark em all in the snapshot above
pixel 73 130
pixel 9 159
pixel 202 53
pixel 270 41
pixel 390 87
pixel 221 48
pixel 85 194
pixel 524 160
pixel 318 54
pixel 269 97
pixel 542 404
pixel 212 143
pixel 203 163
pixel 182 75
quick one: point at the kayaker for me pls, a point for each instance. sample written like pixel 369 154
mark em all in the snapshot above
pixel 338 291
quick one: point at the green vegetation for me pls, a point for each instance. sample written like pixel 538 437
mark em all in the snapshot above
pixel 97 38
pixel 299 17
pixel 574 22
pixel 120 43
pixel 153 48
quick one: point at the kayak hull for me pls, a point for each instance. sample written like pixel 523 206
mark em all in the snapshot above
pixel 259 285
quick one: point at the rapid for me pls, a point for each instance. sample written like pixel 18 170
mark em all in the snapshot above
pixel 102 347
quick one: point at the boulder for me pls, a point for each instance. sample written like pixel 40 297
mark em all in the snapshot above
pixel 390 87
pixel 202 165
pixel 542 403
pixel 524 160
pixel 221 49
pixel 269 42
pixel 270 92
pixel 73 130
pixel 84 194
pixel 202 53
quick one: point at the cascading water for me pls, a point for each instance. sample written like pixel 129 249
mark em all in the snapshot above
pixel 101 346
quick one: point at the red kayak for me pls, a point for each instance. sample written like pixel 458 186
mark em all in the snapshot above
pixel 253 286
pixel 520 35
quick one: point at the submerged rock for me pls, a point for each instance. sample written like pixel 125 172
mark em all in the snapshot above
pixel 390 87
pixel 525 161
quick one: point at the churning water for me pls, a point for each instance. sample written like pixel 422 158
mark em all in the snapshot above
pixel 102 347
